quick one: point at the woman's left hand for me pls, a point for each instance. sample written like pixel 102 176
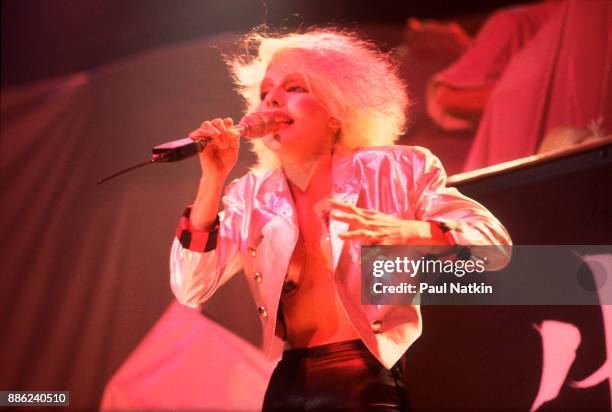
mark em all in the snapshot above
pixel 373 227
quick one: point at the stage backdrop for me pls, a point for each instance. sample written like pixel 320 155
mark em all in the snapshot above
pixel 85 267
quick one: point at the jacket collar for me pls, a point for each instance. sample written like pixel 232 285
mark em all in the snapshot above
pixel 346 186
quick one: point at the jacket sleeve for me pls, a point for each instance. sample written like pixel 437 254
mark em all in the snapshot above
pixel 200 262
pixel 465 221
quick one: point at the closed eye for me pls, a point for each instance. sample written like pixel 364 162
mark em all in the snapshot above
pixel 296 88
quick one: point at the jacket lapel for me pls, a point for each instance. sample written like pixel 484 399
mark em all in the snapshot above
pixel 345 188
pixel 278 216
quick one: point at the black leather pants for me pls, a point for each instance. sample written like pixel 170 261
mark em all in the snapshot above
pixel 337 376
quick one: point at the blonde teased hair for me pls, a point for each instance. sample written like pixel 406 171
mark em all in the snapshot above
pixel 354 81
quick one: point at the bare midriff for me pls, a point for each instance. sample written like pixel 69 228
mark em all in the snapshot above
pixel 311 307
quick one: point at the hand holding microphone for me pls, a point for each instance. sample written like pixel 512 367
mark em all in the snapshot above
pixel 219 140
pixel 221 137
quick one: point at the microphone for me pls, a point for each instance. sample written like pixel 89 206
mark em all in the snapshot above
pixel 251 126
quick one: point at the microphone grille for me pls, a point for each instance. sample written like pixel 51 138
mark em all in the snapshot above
pixel 261 123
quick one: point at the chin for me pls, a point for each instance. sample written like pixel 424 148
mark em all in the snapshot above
pixel 283 137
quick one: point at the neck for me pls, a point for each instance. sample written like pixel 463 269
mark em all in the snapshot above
pixel 302 171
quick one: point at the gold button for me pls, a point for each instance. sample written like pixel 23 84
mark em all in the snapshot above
pixel 257 277
pixel 262 311
pixel 252 252
pixel 376 325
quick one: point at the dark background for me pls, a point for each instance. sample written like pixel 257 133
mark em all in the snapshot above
pixel 44 38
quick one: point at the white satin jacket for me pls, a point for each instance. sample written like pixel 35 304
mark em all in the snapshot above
pixel 258 231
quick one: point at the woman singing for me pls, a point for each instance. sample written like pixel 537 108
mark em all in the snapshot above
pixel 328 180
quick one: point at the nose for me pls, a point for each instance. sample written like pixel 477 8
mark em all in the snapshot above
pixel 274 97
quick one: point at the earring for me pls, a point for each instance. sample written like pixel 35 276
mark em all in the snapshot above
pixel 337 136
pixel 334 123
